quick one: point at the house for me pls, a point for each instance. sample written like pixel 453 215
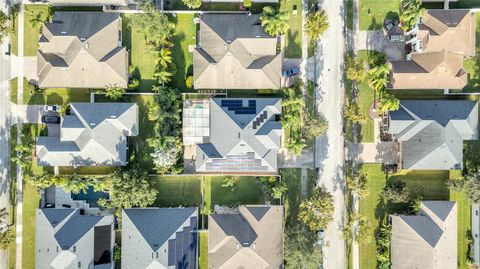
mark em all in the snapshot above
pixel 427 239
pixel 93 134
pixel 100 3
pixel 431 132
pixel 249 238
pixel 245 135
pixel 476 233
pixel 234 52
pixel 82 50
pixel 65 238
pixel 437 46
pixel 159 238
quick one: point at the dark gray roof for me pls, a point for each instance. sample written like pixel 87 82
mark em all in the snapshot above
pixel 74 229
pixel 232 26
pixel 73 23
pixel 157 225
pixel 425 228
pixel 55 216
pixel 432 132
pixel 235 225
pixel 258 211
pixel 441 209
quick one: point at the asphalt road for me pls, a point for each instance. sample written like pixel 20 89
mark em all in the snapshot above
pixel 330 153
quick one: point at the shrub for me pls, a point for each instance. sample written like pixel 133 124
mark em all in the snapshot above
pixel 192 3
pixel 189 82
pixel 134 84
pixel 247 3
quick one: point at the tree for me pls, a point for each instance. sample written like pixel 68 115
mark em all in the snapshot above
pixel 114 92
pixel 63 110
pixel 357 184
pixel 163 76
pixel 355 69
pixel 154 112
pixel 164 57
pixel 3 25
pixel 397 192
pixel 378 77
pixel 352 113
pixel 166 152
pixel 295 146
pixel 154 25
pixel 279 190
pixel 357 229
pixel 301 249
pixel 316 24
pixel 315 126
pixel 388 102
pixel 410 13
pixel 274 22
pixel 383 246
pixel 7 236
pixel 316 212
pixel 470 185
pixel 36 19
pixel 229 182
pixel 129 188
pixel 192 3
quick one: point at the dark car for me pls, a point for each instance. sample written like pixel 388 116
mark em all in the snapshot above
pixel 50 119
pixel 290 72
pixel 390 23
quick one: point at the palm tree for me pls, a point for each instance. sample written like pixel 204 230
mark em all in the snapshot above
pixel 114 92
pixel 163 76
pixel 274 22
pixel 36 19
pixel 389 103
pixel 316 24
pixel 295 146
pixel 378 77
pixel 164 57
pixel 410 13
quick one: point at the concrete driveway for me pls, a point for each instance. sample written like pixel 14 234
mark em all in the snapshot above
pixel 376 40
pixel 289 63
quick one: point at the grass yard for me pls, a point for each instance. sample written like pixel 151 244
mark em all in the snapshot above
pixel 203 250
pixel 291 177
pixel 176 191
pixel 184 36
pixel 373 12
pixel 53 96
pixel 349 7
pixel 293 38
pixel 365 100
pixel 140 55
pixel 14 35
pixel 31 30
pixel 245 191
pixel 464 226
pixel 429 184
pixel 14 90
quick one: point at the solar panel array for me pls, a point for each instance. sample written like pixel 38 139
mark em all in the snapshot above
pixel 237 106
pixel 245 162
pixel 259 120
pixel 182 251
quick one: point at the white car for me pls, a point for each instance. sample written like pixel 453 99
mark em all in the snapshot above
pixel 51 108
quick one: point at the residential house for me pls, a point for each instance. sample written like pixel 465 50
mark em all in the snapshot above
pixel 245 135
pixel 249 238
pixel 93 134
pixel 437 46
pixel 431 132
pixel 159 238
pixel 427 239
pixel 91 3
pixel 82 50
pixel 67 239
pixel 234 52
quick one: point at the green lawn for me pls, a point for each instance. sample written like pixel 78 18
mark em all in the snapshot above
pixel 349 7
pixel 373 12
pixel 177 191
pixel 293 38
pixel 203 250
pixel 14 90
pixel 464 226
pixel 32 32
pixel 184 36
pixel 365 100
pixel 245 191
pixel 291 177
pixel 429 184
pixel 14 35
pixel 53 96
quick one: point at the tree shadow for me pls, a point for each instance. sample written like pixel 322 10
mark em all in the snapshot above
pixel 293 49
pixel 54 99
pixel 373 24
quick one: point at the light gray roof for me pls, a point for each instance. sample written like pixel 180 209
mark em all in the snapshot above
pixel 426 240
pixel 94 134
pixel 432 132
pixel 82 50
pixel 234 52
pixel 244 136
pixel 64 238
pixel 88 2
pixel 251 238
pixel 159 238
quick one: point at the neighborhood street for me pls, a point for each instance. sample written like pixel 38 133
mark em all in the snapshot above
pixel 329 153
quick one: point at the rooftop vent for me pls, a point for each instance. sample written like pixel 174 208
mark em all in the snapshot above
pixel 87 45
pixel 83 38
pixel 92 124
pixel 113 117
pixel 63 32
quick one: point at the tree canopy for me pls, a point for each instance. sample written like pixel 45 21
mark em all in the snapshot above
pixel 316 24
pixel 397 192
pixel 192 3
pixel 3 25
pixel 355 69
pixel 410 13
pixel 316 212
pixel 274 22
pixel 301 249
pixel 470 185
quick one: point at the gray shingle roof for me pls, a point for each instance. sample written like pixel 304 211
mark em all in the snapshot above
pixel 432 132
pixel 244 136
pixel 95 134
pixel 74 229
pixel 234 52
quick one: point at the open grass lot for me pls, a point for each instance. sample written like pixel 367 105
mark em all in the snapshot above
pixel 203 250
pixel 245 191
pixel 365 100
pixel 53 96
pixel 373 12
pixel 291 177
pixel 293 38
pixel 177 190
pixel 429 184
pixel 31 31
pixel 184 36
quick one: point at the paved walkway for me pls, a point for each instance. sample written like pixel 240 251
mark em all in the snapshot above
pixel 286 161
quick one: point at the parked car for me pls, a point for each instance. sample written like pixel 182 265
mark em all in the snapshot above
pixel 390 23
pixel 50 108
pixel 321 238
pixel 290 72
pixel 46 119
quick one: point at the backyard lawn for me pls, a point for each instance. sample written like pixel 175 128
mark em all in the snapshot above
pixel 245 191
pixel 32 29
pixel 184 35
pixel 293 38
pixel 176 191
pixel 429 184
pixel 53 96
pixel 203 250
pixel 373 12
